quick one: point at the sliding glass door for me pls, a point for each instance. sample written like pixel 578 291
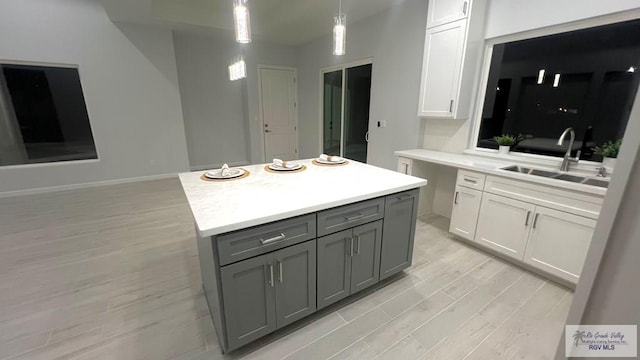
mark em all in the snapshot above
pixel 345 111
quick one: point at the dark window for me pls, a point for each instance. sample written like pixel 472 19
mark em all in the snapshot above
pixel 585 79
pixel 43 117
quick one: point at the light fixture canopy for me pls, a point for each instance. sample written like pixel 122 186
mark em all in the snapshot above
pixel 242 21
pixel 339 34
pixel 238 70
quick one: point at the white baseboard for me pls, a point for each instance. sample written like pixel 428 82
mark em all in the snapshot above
pixel 49 189
pixel 217 166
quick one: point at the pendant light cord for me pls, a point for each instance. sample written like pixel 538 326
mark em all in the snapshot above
pixel 339 7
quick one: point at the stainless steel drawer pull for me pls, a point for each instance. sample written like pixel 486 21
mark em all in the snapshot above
pixel 350 247
pixel 471 181
pixel 464 8
pixel 455 199
pixel 354 217
pixel 282 236
pixel 451 106
pixel 280 271
pixel 402 197
pixel 271 275
pixel 357 244
pixel 535 220
pixel 526 221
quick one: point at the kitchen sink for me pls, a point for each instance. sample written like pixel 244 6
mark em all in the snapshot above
pixel 572 178
pixel 557 175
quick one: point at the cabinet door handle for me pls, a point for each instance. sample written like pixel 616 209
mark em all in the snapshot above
pixel 357 244
pixel 350 250
pixel 280 271
pixel 464 8
pixel 271 282
pixel 526 222
pixel 354 217
pixel 282 236
pixel 406 168
pixel 455 199
pixel 451 106
pixel 535 220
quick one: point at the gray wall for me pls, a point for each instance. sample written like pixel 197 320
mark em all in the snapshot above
pixel 395 40
pixel 130 84
pixel 221 117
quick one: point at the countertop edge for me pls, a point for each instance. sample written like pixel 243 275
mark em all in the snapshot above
pixel 307 210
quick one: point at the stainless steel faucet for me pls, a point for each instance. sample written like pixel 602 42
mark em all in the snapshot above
pixel 567 160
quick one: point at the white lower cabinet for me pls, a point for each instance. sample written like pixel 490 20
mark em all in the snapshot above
pixel 503 224
pixel 550 240
pixel 464 217
pixel 559 242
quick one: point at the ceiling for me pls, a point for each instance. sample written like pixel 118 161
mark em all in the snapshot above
pixel 289 22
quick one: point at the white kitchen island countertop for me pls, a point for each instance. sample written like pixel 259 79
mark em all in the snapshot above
pixel 263 197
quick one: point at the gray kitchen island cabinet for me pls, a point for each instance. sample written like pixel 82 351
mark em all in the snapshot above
pixel 275 248
pixel 268 292
pixel 400 213
pixel 348 261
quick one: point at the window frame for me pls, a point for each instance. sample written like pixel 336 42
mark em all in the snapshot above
pixel 485 66
pixel 86 104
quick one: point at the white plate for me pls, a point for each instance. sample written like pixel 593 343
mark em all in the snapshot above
pixel 217 174
pixel 280 168
pixel 331 162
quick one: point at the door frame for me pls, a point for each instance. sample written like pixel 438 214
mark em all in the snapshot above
pixel 260 113
pixel 343 67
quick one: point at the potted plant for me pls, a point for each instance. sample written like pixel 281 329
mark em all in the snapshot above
pixel 506 141
pixel 609 152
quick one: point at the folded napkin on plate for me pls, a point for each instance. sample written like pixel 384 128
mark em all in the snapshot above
pixel 283 164
pixel 224 170
pixel 326 157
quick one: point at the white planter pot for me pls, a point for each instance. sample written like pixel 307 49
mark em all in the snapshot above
pixel 503 149
pixel 609 163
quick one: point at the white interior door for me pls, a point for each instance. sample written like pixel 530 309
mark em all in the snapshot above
pixel 279 115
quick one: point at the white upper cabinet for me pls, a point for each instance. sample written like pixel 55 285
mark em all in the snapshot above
pixel 445 11
pixel 452 50
pixel 443 53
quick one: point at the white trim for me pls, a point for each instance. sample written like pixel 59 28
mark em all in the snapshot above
pixel 50 189
pixel 343 67
pixel 260 114
pixel 218 165
pixel 550 30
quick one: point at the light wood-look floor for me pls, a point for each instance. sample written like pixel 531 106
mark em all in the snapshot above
pixel 112 273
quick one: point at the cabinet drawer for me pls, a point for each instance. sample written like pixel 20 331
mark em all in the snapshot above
pixel 471 179
pixel 243 244
pixel 344 217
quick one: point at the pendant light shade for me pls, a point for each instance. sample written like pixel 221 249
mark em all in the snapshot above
pixel 242 21
pixel 339 34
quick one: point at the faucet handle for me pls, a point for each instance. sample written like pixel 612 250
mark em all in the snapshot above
pixel 578 153
pixel 602 171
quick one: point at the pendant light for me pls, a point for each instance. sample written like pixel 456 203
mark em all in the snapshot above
pixel 238 70
pixel 339 32
pixel 242 21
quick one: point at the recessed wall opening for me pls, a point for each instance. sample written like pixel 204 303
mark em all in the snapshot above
pixel 585 79
pixel 43 116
